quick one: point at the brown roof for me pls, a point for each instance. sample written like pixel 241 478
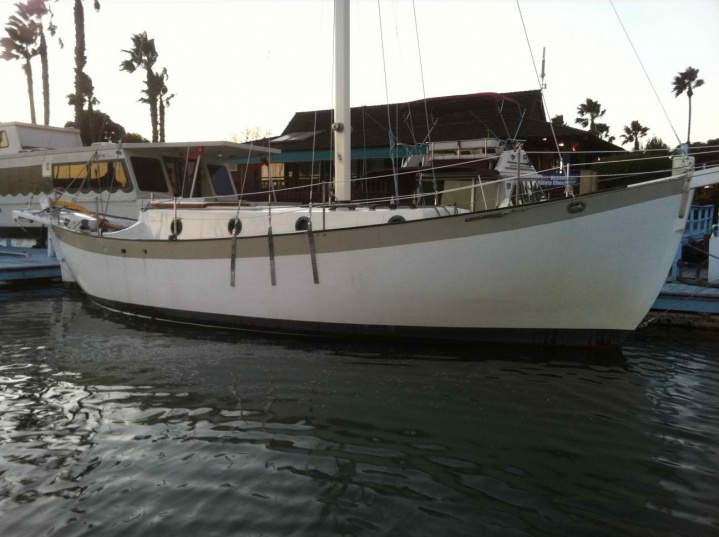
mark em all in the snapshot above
pixel 457 117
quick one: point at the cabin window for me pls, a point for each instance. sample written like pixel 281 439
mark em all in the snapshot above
pixel 3 140
pixel 91 177
pixel 221 180
pixel 181 173
pixel 149 174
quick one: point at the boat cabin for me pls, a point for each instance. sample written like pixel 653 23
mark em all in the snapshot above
pixel 111 178
pixel 17 137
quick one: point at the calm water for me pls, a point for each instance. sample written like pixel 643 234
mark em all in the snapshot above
pixel 113 426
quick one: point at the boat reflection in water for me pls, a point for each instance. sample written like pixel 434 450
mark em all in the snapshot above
pixel 127 427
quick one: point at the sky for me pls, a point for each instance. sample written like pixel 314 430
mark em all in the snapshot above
pixel 250 64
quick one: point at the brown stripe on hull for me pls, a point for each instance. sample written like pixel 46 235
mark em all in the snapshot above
pixel 377 236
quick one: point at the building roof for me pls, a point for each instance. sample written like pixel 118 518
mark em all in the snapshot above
pixel 519 115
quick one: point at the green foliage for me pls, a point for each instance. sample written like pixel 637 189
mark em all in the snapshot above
pixel 602 131
pixel 558 120
pixel 100 126
pixel 655 143
pixel 633 133
pixel 23 42
pixel 81 89
pixel 705 154
pixel 588 113
pixel 143 55
pixel 686 82
pixel 628 168
pixel 133 137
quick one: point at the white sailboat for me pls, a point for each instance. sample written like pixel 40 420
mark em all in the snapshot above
pixel 581 270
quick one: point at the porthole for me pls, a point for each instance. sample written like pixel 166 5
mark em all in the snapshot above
pixel 302 224
pixel 231 225
pixel 396 219
pixel 176 227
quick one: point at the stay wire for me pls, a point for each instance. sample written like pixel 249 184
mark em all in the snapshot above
pixel 645 72
pixel 386 92
pixel 424 93
pixel 541 89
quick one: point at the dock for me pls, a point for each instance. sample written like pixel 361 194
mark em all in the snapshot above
pixel 21 265
pixel 687 302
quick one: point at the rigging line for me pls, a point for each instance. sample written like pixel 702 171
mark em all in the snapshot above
pixel 541 90
pixel 332 172
pixel 314 129
pixel 484 124
pixel 386 92
pixel 364 147
pixel 184 172
pixel 312 163
pixel 645 72
pixel 424 93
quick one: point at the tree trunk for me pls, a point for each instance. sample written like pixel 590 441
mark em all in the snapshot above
pixel 689 128
pixel 636 143
pixel 162 119
pixel 91 121
pixel 152 98
pixel 45 78
pixel 30 91
pixel 80 61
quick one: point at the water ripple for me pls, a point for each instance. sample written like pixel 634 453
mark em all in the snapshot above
pixel 121 428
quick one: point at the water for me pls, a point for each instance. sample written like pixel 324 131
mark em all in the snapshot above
pixel 113 426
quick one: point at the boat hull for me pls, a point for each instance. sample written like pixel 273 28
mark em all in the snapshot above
pixel 568 272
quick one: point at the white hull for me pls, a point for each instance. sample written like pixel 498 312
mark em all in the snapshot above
pixel 536 273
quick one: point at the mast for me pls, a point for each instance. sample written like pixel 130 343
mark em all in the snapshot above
pixel 342 127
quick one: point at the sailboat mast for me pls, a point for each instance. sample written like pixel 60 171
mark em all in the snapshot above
pixel 342 127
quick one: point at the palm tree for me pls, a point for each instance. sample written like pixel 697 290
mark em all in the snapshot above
pixel 558 121
pixel 159 87
pixel 633 133
pixel 687 81
pixel 589 111
pixel 602 131
pixel 37 9
pixel 21 44
pixel 164 100
pixel 87 95
pixel 80 61
pixel 143 54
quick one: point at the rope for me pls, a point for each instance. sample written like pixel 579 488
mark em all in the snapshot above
pixel 424 94
pixel 645 72
pixel 389 116
pixel 541 88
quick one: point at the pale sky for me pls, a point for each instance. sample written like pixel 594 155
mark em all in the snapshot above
pixel 237 64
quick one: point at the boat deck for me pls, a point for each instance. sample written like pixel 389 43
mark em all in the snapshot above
pixel 18 265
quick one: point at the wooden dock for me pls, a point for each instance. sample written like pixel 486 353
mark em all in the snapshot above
pixel 19 265
pixel 689 302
